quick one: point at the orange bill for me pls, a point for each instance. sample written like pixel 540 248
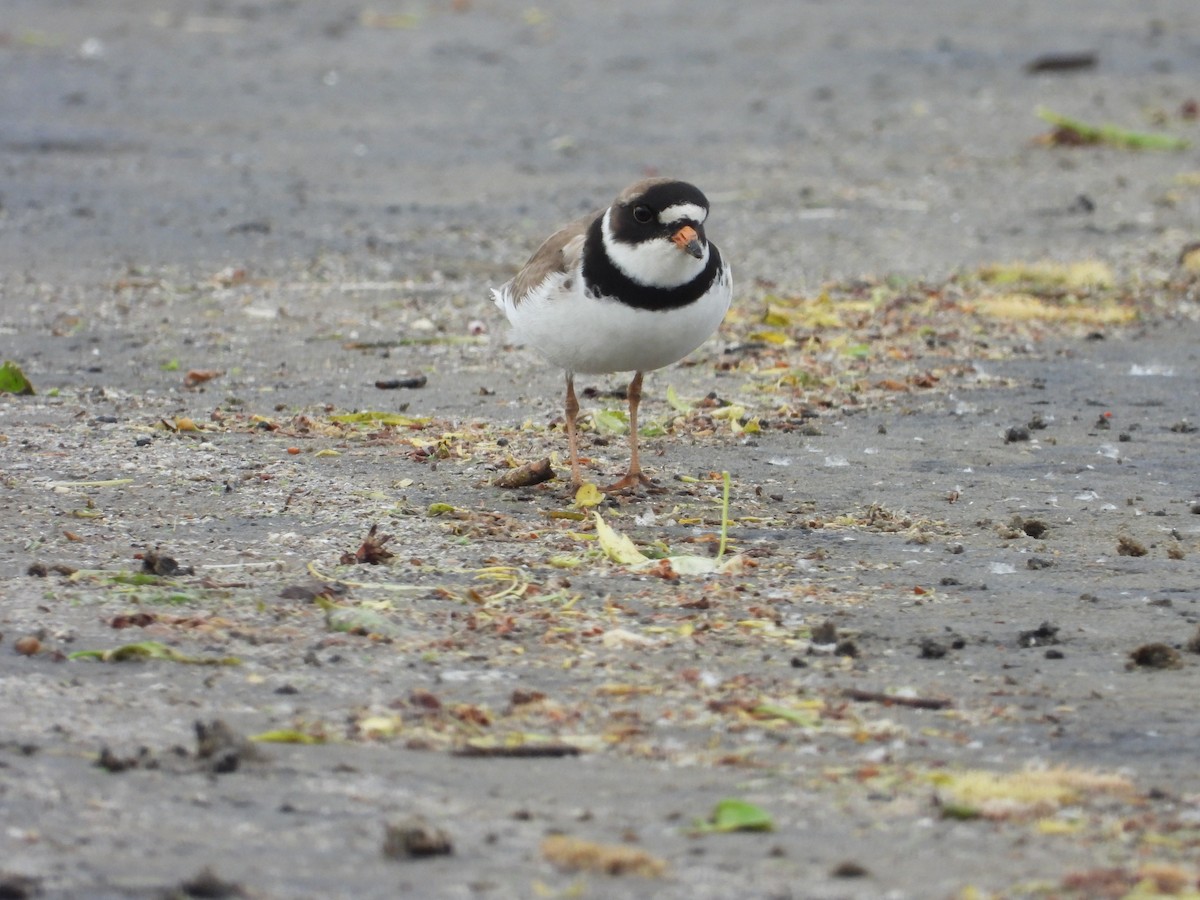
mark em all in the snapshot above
pixel 687 240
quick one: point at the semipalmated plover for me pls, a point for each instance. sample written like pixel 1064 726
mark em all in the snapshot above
pixel 631 288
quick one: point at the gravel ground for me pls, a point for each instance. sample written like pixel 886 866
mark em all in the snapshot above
pixel 957 651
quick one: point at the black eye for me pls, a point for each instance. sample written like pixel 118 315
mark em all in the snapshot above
pixel 643 214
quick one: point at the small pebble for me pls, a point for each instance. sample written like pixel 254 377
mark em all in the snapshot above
pixel 28 645
pixel 1016 434
pixel 415 838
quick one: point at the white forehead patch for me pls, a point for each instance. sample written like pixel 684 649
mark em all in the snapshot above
pixel 681 211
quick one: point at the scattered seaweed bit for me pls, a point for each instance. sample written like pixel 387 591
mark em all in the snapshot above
pixel 13 380
pixel 478 750
pixel 1150 880
pixel 1051 280
pixel 1069 132
pixel 526 475
pixel 146 650
pixel 205 885
pixel 196 377
pixel 312 591
pixel 288 735
pixel 577 855
pixel 415 838
pixel 1155 656
pixel 132 620
pixel 897 700
pixel 411 382
pixel 1062 62
pixel 223 750
pixel 359 621
pixel 156 563
pixel 113 763
pixel 1127 546
pixel 41 570
pixel 377 419
pixel 978 793
pixel 1105 882
pixel 733 814
pixel 1165 879
pixel 372 551
pixel 1042 636
pixel 1189 257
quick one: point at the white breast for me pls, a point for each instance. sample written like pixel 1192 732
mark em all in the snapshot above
pixel 581 333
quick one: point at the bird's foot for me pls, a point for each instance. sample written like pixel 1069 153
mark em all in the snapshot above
pixel 628 483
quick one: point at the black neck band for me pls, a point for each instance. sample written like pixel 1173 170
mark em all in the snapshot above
pixel 604 279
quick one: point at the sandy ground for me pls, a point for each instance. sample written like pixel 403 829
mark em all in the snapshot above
pixel 309 199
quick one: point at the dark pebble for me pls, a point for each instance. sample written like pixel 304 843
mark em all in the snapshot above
pixel 849 869
pixel 1156 656
pixel 1041 636
pixel 415 838
pixel 1016 434
pixel 391 384
pixel 931 649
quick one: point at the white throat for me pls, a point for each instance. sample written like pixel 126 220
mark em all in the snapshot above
pixel 657 263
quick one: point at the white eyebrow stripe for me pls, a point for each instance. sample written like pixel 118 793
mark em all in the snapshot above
pixel 681 211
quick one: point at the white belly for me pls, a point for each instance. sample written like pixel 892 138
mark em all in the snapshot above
pixel 583 334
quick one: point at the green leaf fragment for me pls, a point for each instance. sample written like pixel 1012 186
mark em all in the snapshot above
pixel 731 814
pixel 677 404
pixel 1112 134
pixel 724 515
pixel 153 650
pixel 138 579
pixel 611 421
pixel 356 620
pixel 380 418
pixel 13 380
pixel 960 811
pixel 804 717
pixel 286 736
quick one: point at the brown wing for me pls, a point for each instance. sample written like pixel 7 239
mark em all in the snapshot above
pixel 559 253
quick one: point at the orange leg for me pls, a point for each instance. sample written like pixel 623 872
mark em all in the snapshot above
pixel 572 411
pixel 634 477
